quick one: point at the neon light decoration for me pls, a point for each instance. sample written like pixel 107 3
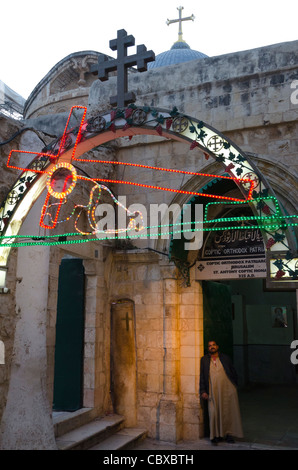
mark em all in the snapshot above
pixel 269 222
pixel 181 127
pixel 58 173
pixel 61 180
pixel 50 239
pixel 64 176
pixel 239 180
pixel 248 181
pixel 60 183
pixel 258 200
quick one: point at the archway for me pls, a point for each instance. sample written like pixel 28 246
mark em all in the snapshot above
pixel 133 121
pixel 239 307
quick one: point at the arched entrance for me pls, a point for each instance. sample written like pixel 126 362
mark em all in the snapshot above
pixel 252 322
pixel 140 121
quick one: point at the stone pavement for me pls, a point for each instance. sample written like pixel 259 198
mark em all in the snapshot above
pixel 205 444
pixel 269 417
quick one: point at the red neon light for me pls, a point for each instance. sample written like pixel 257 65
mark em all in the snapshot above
pixel 149 186
pixel 62 142
pixel 54 157
pixel 43 213
pixel 40 154
pixel 138 165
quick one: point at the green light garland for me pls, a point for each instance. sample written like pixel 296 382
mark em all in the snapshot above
pixel 269 222
pixel 75 234
pixel 257 199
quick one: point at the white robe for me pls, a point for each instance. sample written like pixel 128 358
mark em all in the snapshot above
pixel 223 404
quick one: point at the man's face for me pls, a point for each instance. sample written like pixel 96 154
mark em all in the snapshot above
pixel 212 347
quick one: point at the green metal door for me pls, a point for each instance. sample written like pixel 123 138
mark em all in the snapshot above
pixel 68 373
pixel 217 308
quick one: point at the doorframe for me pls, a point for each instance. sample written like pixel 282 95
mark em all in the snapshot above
pixel 89 350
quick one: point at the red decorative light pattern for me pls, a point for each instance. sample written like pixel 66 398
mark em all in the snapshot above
pixel 138 165
pixel 53 159
pixel 63 194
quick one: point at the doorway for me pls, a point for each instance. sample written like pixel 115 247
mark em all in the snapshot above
pixel 218 324
pixel 241 315
pixel 68 372
pixel 260 352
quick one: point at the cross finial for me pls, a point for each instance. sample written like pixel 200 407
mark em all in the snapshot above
pixel 121 64
pixel 179 20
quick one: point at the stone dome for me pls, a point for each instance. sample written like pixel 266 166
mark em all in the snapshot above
pixel 180 52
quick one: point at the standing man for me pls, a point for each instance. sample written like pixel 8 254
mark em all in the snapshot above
pixel 218 382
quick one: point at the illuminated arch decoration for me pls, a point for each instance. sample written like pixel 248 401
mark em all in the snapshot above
pixel 130 121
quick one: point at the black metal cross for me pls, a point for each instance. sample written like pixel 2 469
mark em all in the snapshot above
pixel 121 64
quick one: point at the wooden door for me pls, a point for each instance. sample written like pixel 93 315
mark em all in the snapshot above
pixel 68 375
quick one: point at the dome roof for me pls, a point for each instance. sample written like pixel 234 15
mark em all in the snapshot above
pixel 180 52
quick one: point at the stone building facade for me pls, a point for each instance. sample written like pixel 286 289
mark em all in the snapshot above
pixel 143 324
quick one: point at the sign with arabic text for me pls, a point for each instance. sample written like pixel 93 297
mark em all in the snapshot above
pixel 232 254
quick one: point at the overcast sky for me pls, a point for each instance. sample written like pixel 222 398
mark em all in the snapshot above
pixel 37 34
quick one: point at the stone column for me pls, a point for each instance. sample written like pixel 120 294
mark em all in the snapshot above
pixel 123 365
pixel 27 421
pixel 97 337
pixel 191 351
pixel 170 406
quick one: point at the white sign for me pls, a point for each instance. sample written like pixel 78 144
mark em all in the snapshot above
pixel 231 268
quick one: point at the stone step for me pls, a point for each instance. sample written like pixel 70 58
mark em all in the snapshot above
pixel 90 434
pixel 65 421
pixel 124 439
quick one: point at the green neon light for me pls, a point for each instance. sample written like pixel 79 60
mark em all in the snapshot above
pixel 258 199
pixel 250 217
pixel 266 225
pixel 69 242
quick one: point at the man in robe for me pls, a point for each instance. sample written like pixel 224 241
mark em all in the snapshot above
pixel 218 385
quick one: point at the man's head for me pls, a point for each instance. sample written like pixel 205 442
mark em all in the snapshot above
pixel 212 347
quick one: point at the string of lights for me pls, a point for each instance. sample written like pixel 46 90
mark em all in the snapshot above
pixel 271 221
pixel 43 241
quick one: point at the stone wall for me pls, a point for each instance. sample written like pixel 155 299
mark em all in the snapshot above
pixel 65 85
pixel 8 317
pixel 8 128
pixel 169 329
